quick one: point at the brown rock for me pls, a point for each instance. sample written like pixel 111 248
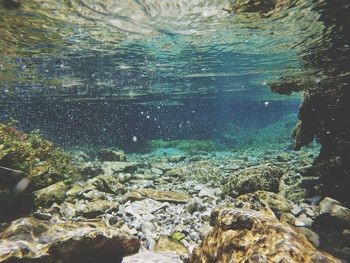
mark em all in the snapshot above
pixel 31 240
pixel 249 236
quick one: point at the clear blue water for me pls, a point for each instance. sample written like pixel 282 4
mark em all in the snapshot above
pixel 101 73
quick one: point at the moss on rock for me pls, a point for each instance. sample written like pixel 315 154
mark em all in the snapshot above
pixel 262 177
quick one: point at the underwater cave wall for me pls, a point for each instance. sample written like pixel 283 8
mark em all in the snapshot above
pixel 324 113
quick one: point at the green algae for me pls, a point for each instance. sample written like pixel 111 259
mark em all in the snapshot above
pixel 42 163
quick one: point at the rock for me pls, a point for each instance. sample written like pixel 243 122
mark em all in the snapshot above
pixel 42 215
pixel 346 233
pixel 68 210
pixel 283 157
pixel 295 210
pixel 153 257
pixel 162 166
pixel 205 217
pixel 177 236
pixel 267 202
pixel 96 208
pixel 192 206
pixel 311 236
pixel 145 206
pixel 166 243
pixel 176 172
pixel 262 177
pixel 156 171
pixel 31 240
pixel 206 192
pixel 113 168
pixel 303 220
pixel 73 193
pixel 290 186
pixel 176 158
pixel 79 156
pixel 335 209
pixel 159 195
pixel 90 169
pixel 54 193
pixel 111 155
pixel 250 236
pixel 288 218
pixel 105 183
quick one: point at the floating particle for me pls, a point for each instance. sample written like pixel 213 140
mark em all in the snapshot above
pixel 266 103
pixel 134 138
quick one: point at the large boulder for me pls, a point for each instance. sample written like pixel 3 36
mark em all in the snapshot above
pixel 261 177
pixel 249 236
pixel 32 240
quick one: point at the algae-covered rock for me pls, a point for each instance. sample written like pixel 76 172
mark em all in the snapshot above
pixel 265 202
pixel 158 195
pixel 54 193
pixel 262 177
pixel 167 243
pixel 249 236
pixel 32 240
pixel 111 155
pixel 42 163
pixel 106 183
pixel 291 188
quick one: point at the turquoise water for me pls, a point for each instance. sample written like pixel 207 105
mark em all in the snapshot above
pixel 100 73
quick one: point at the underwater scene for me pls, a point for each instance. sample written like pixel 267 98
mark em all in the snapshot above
pixel 165 131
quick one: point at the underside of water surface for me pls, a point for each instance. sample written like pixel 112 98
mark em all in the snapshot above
pixel 147 116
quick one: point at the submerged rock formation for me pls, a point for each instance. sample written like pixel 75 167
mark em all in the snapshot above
pixel 261 177
pixel 323 113
pixel 29 163
pixel 249 236
pixel 32 240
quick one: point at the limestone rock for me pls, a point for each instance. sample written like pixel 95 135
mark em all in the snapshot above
pixel 31 240
pixel 262 177
pixel 54 193
pixel 249 236
pixel 158 195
